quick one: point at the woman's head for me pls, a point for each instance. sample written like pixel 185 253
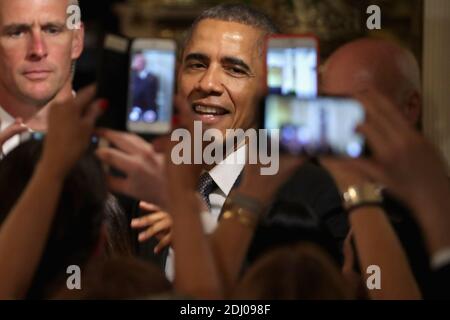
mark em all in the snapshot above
pixel 287 224
pixel 119 278
pixel 76 226
pixel 302 271
pixel 118 235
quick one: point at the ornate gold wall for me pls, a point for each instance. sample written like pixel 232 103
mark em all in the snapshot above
pixel 334 21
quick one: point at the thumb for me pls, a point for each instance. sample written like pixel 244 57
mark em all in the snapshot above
pixel 94 110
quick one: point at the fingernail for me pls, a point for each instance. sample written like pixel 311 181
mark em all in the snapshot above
pixel 175 120
pixel 104 104
pixel 142 235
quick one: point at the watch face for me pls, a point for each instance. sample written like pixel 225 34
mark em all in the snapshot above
pixel 246 203
pixel 244 217
pixel 367 193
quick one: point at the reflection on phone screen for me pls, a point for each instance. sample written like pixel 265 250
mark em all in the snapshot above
pixel 151 89
pixel 316 126
pixel 292 71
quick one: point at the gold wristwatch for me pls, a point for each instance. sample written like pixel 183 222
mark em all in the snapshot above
pixel 244 209
pixel 367 194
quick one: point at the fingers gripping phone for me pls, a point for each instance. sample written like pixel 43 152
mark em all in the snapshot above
pixel 317 126
pixel 292 64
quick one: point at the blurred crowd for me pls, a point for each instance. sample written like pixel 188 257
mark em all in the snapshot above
pixel 375 227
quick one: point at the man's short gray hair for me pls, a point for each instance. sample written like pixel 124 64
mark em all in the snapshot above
pixel 239 13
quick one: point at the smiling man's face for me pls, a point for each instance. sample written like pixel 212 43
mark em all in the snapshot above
pixel 221 74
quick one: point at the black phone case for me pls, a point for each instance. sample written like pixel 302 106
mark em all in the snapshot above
pixel 112 78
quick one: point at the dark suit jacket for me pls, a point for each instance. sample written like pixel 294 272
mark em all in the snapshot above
pixel 313 196
pixel 145 91
pixel 309 208
pixel 440 283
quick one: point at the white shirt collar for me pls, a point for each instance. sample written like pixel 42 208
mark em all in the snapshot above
pixel 5 119
pixel 143 74
pixel 226 172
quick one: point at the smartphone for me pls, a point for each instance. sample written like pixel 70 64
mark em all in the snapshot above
pixel 112 81
pixel 317 126
pixel 292 64
pixel 151 86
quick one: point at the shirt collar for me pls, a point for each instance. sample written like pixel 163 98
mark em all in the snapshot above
pixel 226 172
pixel 143 74
pixel 5 119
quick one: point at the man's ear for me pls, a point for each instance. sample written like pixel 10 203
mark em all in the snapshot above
pixel 412 109
pixel 78 42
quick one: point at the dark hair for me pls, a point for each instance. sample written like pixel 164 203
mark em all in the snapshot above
pixel 239 13
pixel 119 278
pixel 77 222
pixel 118 235
pixel 303 271
pixel 289 223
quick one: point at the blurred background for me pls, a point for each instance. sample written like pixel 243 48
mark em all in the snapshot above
pixel 420 25
pixel 333 21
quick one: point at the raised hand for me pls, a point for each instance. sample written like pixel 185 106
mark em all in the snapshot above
pixel 70 126
pixel 156 223
pixel 142 165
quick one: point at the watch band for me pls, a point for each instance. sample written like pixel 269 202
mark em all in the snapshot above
pixel 367 194
pixel 245 209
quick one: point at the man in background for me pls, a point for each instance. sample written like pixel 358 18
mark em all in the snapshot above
pixel 37 55
pixel 145 90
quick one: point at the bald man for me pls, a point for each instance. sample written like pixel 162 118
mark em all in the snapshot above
pixel 385 67
pixel 376 64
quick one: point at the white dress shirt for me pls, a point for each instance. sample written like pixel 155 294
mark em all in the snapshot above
pixel 224 175
pixel 5 121
pixel 440 259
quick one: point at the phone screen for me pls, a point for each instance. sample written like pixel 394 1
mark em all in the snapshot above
pixel 324 125
pixel 292 66
pixel 151 89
